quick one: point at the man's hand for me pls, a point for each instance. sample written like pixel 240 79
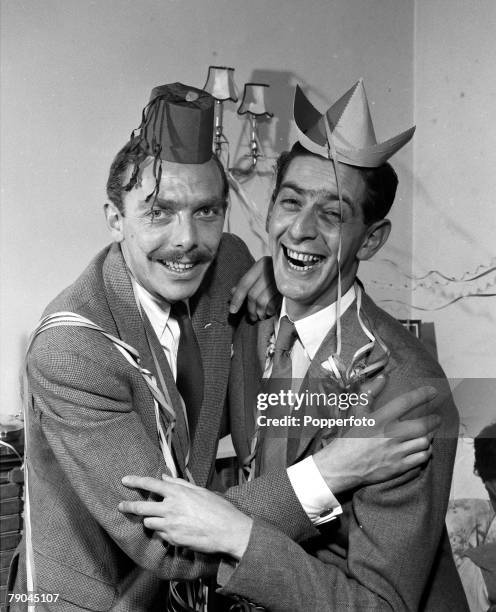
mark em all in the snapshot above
pixel 190 516
pixel 388 449
pixel 258 286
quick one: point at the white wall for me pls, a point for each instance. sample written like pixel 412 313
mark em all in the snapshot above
pixel 455 179
pixel 454 221
pixel 76 73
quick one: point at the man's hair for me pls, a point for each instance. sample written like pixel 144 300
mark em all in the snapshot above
pixel 485 453
pixel 132 155
pixel 381 184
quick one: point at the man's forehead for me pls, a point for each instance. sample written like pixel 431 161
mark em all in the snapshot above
pixel 181 186
pixel 316 177
pixel 173 172
pixel 204 177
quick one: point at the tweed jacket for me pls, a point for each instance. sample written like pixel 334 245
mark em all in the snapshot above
pixel 389 550
pixel 91 421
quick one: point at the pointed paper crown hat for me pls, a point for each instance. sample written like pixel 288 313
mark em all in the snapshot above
pixel 350 127
pixel 177 124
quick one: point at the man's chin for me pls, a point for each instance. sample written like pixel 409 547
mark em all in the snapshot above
pixel 174 287
pixel 294 291
pixel 176 294
pixel 295 282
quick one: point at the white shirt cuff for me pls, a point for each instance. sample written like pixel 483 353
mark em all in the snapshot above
pixel 314 495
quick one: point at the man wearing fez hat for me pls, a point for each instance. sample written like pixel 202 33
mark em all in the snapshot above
pixel 388 549
pixel 127 373
pixel 116 368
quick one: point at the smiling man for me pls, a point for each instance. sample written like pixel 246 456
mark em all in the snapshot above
pixel 388 550
pixel 169 243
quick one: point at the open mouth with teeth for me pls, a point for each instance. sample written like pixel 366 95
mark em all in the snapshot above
pixel 176 266
pixel 301 261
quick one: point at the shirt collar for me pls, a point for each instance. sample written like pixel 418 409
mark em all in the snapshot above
pixel 314 328
pixel 157 311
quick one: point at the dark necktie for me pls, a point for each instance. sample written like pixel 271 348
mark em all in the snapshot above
pixel 273 441
pixel 189 380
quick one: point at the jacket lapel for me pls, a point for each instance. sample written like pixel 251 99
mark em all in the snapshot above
pixel 214 334
pixel 122 304
pixel 130 327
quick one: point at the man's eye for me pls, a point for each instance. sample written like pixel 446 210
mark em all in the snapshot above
pixel 289 202
pixel 207 211
pixel 332 214
pixel 157 214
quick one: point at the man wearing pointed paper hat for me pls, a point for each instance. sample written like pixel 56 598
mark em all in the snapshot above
pixel 127 372
pixel 388 549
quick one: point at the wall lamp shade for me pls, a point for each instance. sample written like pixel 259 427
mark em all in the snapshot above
pixel 220 83
pixel 253 101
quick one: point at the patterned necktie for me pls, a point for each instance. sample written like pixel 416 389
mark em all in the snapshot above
pixel 281 361
pixel 189 380
pixel 273 442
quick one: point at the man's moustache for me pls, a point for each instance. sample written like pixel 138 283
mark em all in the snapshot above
pixel 195 256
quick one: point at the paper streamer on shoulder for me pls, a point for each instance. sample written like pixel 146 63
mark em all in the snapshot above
pixel 196 593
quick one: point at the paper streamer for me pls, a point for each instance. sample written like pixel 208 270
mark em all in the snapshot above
pixel 453 301
pixel 196 591
pixel 476 274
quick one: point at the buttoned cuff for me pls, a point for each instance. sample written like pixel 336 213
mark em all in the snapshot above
pixel 314 495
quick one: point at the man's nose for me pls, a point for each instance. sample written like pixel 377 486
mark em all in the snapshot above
pixel 185 235
pixel 304 225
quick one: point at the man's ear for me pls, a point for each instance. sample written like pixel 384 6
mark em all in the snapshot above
pixel 113 216
pixel 376 235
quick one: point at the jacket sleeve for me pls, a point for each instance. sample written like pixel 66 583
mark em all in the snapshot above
pixel 82 413
pixel 271 497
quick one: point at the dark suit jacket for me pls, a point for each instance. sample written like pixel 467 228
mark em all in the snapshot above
pixel 91 421
pixel 389 550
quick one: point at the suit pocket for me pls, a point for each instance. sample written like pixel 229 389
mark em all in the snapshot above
pixel 73 586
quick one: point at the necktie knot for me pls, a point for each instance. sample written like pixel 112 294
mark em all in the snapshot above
pixel 179 311
pixel 286 336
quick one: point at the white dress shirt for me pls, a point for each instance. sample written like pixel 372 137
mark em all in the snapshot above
pixel 165 327
pixel 316 498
